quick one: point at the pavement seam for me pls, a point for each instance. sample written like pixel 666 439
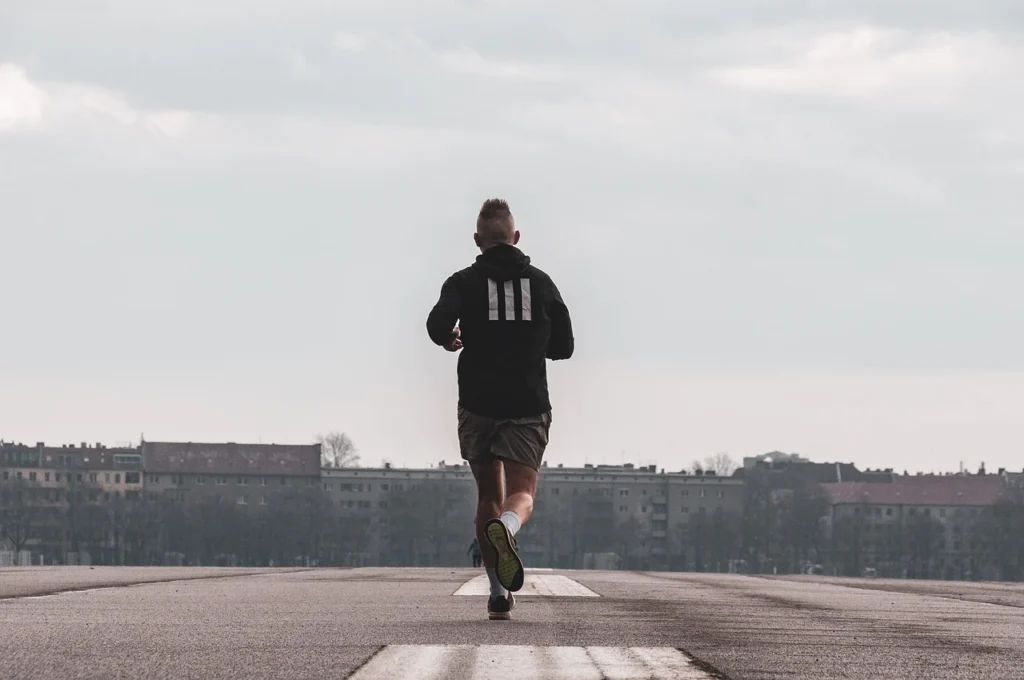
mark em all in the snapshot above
pixel 370 658
pixel 111 586
pixel 703 665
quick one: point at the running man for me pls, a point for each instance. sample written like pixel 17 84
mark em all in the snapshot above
pixel 508 318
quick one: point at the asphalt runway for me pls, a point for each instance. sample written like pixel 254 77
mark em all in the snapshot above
pixel 369 624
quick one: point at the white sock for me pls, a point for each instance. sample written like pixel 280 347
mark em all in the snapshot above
pixel 511 521
pixel 497 590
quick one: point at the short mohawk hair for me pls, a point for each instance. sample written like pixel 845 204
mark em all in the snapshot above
pixel 495 223
pixel 493 210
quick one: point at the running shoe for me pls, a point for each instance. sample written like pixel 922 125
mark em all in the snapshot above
pixel 510 567
pixel 500 608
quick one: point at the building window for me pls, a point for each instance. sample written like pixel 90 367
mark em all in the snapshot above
pixel 721 494
pixel 345 487
pixel 243 481
pixel 222 481
pixel 242 500
pixel 18 474
pixel 46 476
pixel 685 509
pixel 942 512
pixel 7 475
pixel 623 492
pixel 284 481
pixel 263 481
pixel 888 512
pixel 117 478
pixel 328 487
pixel 383 505
pixel 310 482
pixel 686 492
pixel 31 476
pixel 383 487
pixel 623 508
pixel 703 493
pixel 200 480
pixel 263 500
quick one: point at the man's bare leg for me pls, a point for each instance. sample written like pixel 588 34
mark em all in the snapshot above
pixel 520 488
pixel 490 485
pixel 490 498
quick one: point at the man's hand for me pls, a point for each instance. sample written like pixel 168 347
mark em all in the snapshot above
pixel 454 343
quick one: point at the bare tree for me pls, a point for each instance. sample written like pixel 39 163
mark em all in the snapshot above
pixel 721 464
pixel 337 450
pixel 19 514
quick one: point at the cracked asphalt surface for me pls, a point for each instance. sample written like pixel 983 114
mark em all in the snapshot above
pixel 78 622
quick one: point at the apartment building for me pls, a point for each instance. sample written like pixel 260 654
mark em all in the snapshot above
pixel 647 513
pixel 248 475
pixel 920 525
pixel 58 481
pixel 405 517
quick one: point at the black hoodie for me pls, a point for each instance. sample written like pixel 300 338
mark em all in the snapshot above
pixel 512 318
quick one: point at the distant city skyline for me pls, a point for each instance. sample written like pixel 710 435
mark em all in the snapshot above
pixel 795 228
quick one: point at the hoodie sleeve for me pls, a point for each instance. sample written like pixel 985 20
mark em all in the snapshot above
pixel 561 344
pixel 445 314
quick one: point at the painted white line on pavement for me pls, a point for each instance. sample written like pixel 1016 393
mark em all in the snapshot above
pixel 495 661
pixel 550 585
pixel 574 662
pixel 466 662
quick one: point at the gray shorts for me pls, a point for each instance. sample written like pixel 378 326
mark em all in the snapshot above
pixel 520 440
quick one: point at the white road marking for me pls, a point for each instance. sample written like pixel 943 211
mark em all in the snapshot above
pixel 466 662
pixel 491 659
pixel 550 585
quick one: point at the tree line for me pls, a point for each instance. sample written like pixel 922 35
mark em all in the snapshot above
pixel 430 523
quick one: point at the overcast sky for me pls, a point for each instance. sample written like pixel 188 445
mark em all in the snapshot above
pixel 778 224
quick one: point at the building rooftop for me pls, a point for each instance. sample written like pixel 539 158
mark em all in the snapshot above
pixel 231 459
pixel 94 458
pixel 973 490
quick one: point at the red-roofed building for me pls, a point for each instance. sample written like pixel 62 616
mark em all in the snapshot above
pixel 933 523
pixel 921 490
pixel 243 474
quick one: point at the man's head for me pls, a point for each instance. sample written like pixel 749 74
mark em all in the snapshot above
pixel 495 225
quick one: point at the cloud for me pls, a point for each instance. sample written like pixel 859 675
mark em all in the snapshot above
pixel 21 101
pixel 870 62
pixel 468 61
pixel 352 42
pixel 82 117
pixel 27 106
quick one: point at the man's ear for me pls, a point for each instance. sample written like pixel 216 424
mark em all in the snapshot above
pixel 515 238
